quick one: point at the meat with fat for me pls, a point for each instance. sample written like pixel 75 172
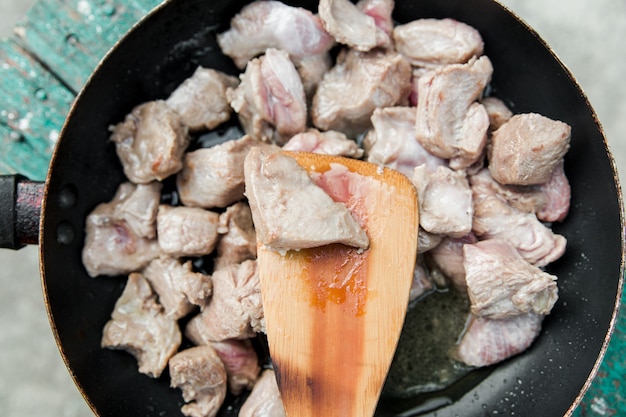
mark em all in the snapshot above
pixel 241 363
pixel 201 99
pixel 264 400
pixel 328 143
pixel 140 326
pixel 200 374
pixel 290 211
pixel 186 231
pixel 150 142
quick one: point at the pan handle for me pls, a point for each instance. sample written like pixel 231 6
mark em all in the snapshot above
pixel 20 211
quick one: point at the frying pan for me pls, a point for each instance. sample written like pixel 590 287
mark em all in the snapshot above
pixel 163 49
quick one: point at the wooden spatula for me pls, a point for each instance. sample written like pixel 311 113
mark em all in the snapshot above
pixel 334 313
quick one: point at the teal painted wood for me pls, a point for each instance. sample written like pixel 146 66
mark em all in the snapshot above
pixel 71 36
pixel 33 107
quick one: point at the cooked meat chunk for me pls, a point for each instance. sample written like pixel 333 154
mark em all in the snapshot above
pixel 264 400
pixel 112 245
pixel 270 100
pixel 349 25
pixel 374 79
pixel 449 122
pixel 448 258
pixel 557 194
pixel 445 201
pixel 381 11
pixel 495 219
pixel 200 374
pixel 427 241
pixel 498 112
pixel 139 326
pixel 312 69
pixel 234 311
pixel 201 99
pixel 237 241
pixel 137 205
pixel 150 142
pixel 435 42
pixel 392 141
pixel 178 287
pixel 526 149
pixel 213 177
pixel 328 143
pixel 241 363
pixel 186 231
pixel 422 283
pixel 488 341
pixel 272 24
pixel 501 283
pixel 290 211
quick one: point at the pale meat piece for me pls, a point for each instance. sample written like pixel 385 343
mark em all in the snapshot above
pixel 328 143
pixel 241 363
pixel 448 258
pixel 150 142
pixel 435 42
pixel 235 310
pixel 557 193
pixel 112 243
pixel 351 26
pixel 445 201
pixel 178 287
pixel 139 326
pixel 450 123
pixel 494 218
pixel 237 241
pixel 500 283
pixel 201 101
pixel 381 11
pixel 264 400
pixel 427 241
pixel 186 231
pixel 213 177
pixel 312 69
pixel 200 374
pixel 526 149
pixel 374 79
pixel 392 142
pixel 270 100
pixel 498 112
pixel 290 211
pixel 422 283
pixel 272 24
pixel 488 341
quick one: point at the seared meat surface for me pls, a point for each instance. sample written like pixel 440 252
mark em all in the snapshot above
pixel 200 374
pixel 140 326
pixel 290 211
pixel 150 142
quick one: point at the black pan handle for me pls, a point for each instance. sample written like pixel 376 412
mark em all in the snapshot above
pixel 20 211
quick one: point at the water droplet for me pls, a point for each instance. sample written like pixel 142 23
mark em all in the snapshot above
pixel 15 136
pixel 108 9
pixel 41 94
pixel 71 39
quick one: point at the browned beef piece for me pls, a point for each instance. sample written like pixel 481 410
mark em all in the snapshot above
pixel 434 42
pixel 489 341
pixel 140 326
pixel 201 99
pixel 526 149
pixel 264 400
pixel 237 242
pixel 351 26
pixel 178 287
pixel 450 123
pixel 272 24
pixel 445 201
pixel 186 231
pixel 373 79
pixel 270 101
pixel 241 363
pixel 235 310
pixel 290 211
pixel 200 374
pixel 213 177
pixel 501 283
pixel 392 141
pixel 328 143
pixel 150 142
pixel 120 234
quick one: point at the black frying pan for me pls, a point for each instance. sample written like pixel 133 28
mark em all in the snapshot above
pixel 547 380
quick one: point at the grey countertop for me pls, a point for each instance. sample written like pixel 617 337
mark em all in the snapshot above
pixel 587 36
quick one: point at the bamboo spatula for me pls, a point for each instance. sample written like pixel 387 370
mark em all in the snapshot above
pixel 334 313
